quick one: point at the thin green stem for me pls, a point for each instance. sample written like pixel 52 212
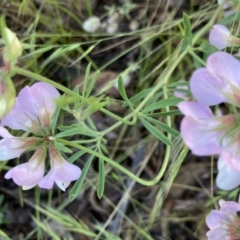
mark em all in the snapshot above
pixel 118 166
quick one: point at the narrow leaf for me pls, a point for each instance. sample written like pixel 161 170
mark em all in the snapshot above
pixel 62 148
pixel 78 184
pixel 121 89
pixel 101 178
pixel 173 101
pixel 54 120
pixel 187 29
pixel 86 79
pixel 163 126
pixel 157 133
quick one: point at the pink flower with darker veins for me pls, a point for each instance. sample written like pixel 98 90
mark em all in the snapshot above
pixel 62 172
pixel 33 113
pixel 206 134
pixel 224 223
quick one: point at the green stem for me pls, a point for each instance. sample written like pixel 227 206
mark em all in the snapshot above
pixel 118 166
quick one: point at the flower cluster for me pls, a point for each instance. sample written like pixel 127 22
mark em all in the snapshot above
pixel 33 113
pixel 224 223
pixel 203 132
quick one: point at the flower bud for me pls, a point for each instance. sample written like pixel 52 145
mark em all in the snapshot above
pixel 7 97
pixel 14 48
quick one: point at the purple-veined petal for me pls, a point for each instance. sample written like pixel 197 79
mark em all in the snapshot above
pixel 199 138
pixel 219 37
pixel 206 89
pixel 195 110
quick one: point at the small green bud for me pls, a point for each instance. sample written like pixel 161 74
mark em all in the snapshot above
pixel 14 48
pixel 7 97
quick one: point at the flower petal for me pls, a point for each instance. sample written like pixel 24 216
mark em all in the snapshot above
pixel 219 36
pixel 199 138
pixel 215 219
pixel 228 177
pixel 44 96
pixel 26 174
pixel 218 233
pixel 226 68
pixel 47 181
pixel 206 89
pixel 195 110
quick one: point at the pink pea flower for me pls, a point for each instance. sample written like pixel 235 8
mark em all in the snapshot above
pixel 29 174
pixel 62 172
pixel 34 108
pixel 224 223
pixel 12 147
pixel 220 37
pixel 206 135
pixel 218 82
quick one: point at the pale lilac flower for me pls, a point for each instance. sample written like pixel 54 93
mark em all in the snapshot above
pixel 29 174
pixel 220 37
pixel 218 82
pixel 206 135
pixel 34 108
pixel 201 131
pixel 62 172
pixel 10 146
pixel 228 176
pixel 33 112
pixel 224 223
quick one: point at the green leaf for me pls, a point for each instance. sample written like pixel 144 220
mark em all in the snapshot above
pixel 162 114
pixel 4 235
pixel 121 89
pixel 187 30
pixel 75 156
pixel 163 126
pixel 75 130
pixel 58 53
pixel 230 19
pixel 173 101
pixel 54 120
pixel 140 95
pixel 86 79
pixel 61 147
pixel 207 48
pixel 101 177
pixel 92 83
pixel 157 133
pixel 155 98
pixel 78 184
